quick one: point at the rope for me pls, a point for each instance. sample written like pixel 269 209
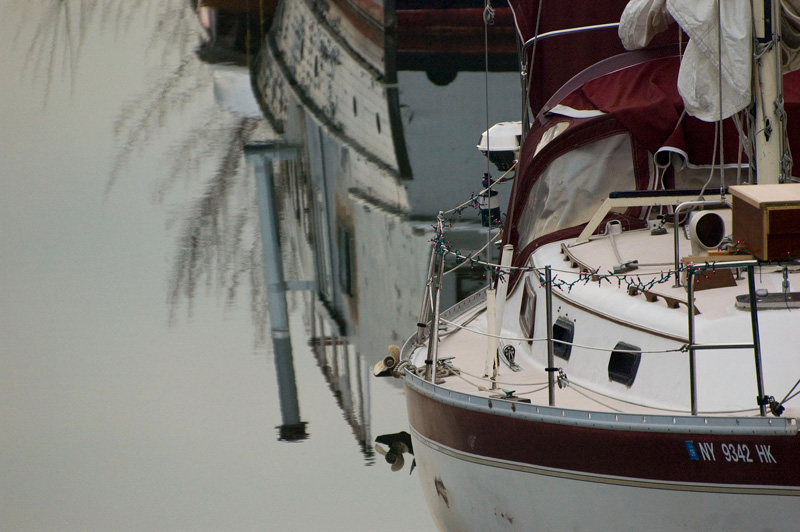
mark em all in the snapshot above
pixel 585 392
pixel 790 392
pixel 675 411
pixel 569 383
pixel 789 398
pixel 473 198
pixel 681 349
pixel 487 379
pixel 713 161
pixel 537 390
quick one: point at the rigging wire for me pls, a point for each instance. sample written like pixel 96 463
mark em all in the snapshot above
pixel 718 141
pixel 789 398
pixel 681 349
pixel 713 162
pixel 488 19
pixel 537 390
pixel 721 119
pixel 745 144
pixel 593 399
pixel 533 51
pixel 585 392
pixel 676 411
pixel 502 179
pixel 457 266
pixel 790 393
pixel 504 383
pixel 495 266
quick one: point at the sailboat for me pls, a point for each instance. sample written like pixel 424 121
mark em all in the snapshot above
pixel 633 362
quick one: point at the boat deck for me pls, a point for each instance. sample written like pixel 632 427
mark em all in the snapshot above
pixel 530 382
pixel 655 258
pixel 662 305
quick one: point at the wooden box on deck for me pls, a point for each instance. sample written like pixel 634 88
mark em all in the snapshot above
pixel 766 220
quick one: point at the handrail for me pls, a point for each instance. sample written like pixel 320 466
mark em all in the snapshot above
pixel 755 346
pixel 525 65
pixel 679 424
pixel 548 290
pixel 691 270
pixel 425 311
pixel 638 199
pixel 567 31
pixel 432 360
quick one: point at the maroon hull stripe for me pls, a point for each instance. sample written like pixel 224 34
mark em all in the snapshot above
pixel 768 464
pixel 612 480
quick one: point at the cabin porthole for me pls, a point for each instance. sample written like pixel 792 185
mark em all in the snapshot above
pixel 624 363
pixel 564 331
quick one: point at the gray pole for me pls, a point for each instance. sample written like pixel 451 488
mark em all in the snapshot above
pixel 692 359
pixel 751 286
pixel 425 311
pixel 433 338
pixel 548 305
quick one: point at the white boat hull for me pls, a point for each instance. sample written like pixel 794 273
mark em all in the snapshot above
pixel 490 464
pixel 470 494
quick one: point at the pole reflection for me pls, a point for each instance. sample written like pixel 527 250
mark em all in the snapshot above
pixel 378 150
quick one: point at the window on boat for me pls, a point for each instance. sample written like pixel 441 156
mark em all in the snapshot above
pixel 554 131
pixel 624 363
pixel 527 311
pixel 563 330
pixel 691 177
pixel 572 187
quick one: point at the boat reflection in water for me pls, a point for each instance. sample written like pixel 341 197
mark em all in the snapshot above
pixel 349 193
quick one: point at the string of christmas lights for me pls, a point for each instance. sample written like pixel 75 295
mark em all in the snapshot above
pixel 633 283
pixel 475 198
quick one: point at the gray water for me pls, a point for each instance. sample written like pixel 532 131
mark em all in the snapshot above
pixel 137 384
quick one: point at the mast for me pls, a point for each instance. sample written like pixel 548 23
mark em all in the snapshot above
pixel 768 92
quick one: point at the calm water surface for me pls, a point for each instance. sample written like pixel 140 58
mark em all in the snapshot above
pixel 137 383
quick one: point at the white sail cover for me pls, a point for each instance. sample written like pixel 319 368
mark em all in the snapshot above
pixel 698 79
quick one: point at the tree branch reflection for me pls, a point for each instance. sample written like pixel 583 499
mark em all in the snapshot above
pixel 59 35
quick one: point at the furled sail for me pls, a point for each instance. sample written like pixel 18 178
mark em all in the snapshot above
pixel 699 78
pixel 704 58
